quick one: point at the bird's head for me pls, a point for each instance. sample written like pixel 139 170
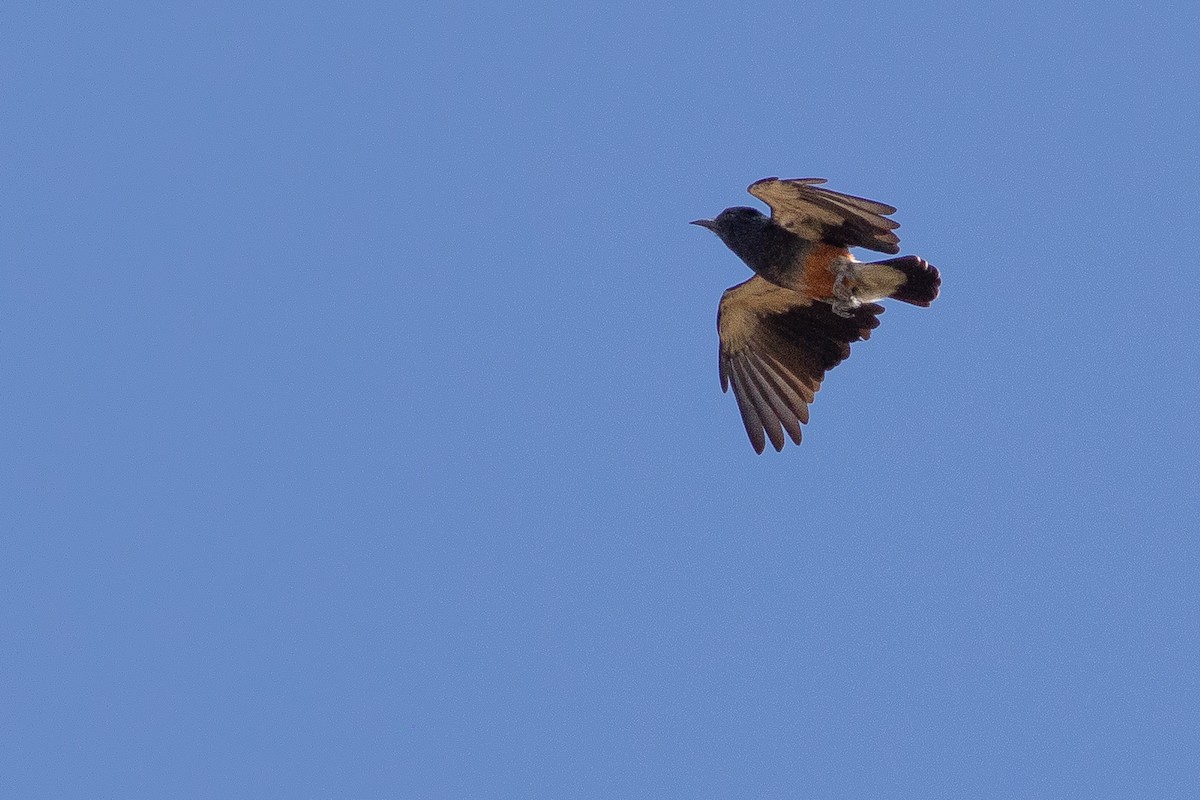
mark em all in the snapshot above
pixel 733 221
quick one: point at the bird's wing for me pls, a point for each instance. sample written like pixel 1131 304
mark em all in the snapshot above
pixel 775 349
pixel 824 215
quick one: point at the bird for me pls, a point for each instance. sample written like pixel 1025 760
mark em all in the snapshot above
pixel 810 298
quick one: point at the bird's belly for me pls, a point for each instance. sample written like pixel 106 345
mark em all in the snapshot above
pixel 819 270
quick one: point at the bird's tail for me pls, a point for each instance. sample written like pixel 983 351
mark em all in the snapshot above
pixel 920 283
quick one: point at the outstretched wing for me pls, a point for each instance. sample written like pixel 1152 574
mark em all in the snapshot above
pixel 776 347
pixel 823 215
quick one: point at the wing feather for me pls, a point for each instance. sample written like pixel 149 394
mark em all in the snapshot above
pixel 776 347
pixel 818 214
pixel 762 408
pixel 778 396
pixel 782 388
pixel 754 426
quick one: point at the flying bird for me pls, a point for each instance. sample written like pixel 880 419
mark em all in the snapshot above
pixel 783 329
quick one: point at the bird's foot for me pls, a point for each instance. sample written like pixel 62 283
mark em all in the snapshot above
pixel 844 308
pixel 843 301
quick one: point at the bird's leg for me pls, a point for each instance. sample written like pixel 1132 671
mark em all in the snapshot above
pixel 844 302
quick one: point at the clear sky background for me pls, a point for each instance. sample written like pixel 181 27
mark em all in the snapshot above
pixel 362 434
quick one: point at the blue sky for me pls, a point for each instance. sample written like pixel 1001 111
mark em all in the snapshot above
pixel 363 435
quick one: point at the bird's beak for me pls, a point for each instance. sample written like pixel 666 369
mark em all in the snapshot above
pixel 704 223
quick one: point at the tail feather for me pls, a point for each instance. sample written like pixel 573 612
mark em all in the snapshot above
pixel 921 280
